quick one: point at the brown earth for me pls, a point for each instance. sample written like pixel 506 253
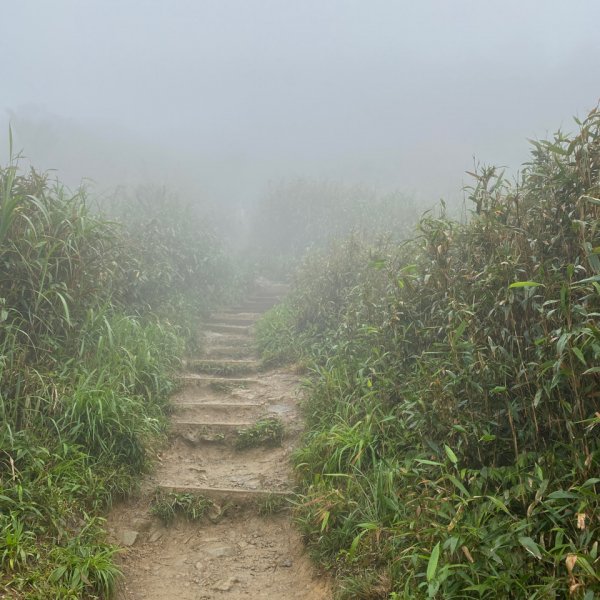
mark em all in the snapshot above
pixel 240 549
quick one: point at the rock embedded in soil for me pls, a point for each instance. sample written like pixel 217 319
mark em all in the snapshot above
pixel 220 551
pixel 225 585
pixel 128 537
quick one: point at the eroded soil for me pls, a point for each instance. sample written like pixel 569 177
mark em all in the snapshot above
pixel 241 549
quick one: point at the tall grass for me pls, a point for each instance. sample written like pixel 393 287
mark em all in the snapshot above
pixel 94 318
pixel 453 411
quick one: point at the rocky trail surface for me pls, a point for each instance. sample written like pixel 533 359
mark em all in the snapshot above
pixel 242 547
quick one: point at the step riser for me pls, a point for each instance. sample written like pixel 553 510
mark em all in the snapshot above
pixel 230 353
pixel 222 368
pixel 198 412
pixel 225 407
pixel 203 382
pixel 241 342
pixel 232 320
pixel 203 433
pixel 263 308
pixel 239 330
pixel 226 495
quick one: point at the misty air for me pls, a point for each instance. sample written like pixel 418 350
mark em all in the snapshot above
pixel 300 300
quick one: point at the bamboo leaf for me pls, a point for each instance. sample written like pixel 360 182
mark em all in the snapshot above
pixel 591 199
pixel 530 546
pixel 525 284
pixel 433 562
pixel 450 453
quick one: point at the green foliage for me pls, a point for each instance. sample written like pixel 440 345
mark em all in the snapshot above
pixel 265 432
pixel 452 447
pixel 93 323
pixel 179 268
pixel 275 337
pixel 272 504
pixel 168 505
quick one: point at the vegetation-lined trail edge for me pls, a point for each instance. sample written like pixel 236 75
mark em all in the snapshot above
pixel 213 521
pixel 452 408
pixel 453 447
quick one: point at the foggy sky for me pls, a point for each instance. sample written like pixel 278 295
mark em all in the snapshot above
pixel 225 96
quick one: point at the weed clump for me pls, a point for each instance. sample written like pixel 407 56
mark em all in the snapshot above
pixel 167 506
pixel 265 432
pixel 272 504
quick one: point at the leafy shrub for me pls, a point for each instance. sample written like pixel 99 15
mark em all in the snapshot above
pixel 297 215
pixel 93 323
pixel 452 449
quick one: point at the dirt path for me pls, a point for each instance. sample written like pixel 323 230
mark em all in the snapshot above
pixel 241 549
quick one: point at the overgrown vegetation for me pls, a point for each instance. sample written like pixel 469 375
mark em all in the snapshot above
pixel 268 431
pixel 93 323
pixel 184 268
pixel 452 447
pixel 168 505
pixel 273 504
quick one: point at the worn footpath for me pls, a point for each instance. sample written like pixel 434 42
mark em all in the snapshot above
pixel 246 545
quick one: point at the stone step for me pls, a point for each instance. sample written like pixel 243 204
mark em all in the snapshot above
pixel 258 306
pixel 211 426
pixel 235 318
pixel 218 384
pixel 199 432
pixel 230 352
pixel 240 330
pixel 219 405
pixel 209 413
pixel 224 494
pixel 221 366
pixel 213 339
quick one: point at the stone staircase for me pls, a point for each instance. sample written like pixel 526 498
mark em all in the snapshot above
pixel 223 391
pixel 245 546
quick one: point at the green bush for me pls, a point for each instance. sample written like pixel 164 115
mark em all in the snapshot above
pixel 94 318
pixel 452 448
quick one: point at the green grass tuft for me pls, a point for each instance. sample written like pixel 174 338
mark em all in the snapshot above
pixel 265 432
pixel 167 506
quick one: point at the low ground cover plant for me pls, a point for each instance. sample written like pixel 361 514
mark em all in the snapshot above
pixel 268 431
pixel 452 447
pixel 167 506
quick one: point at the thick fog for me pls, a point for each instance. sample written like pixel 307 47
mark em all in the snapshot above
pixel 221 97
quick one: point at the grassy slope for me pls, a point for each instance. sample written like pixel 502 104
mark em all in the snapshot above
pixel 453 445
pixel 93 322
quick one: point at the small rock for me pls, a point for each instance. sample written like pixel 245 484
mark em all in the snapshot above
pixel 225 585
pixel 142 524
pixel 155 536
pixel 287 563
pixel 220 551
pixel 190 438
pixel 128 537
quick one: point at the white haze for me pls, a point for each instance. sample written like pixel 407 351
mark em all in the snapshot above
pixel 217 98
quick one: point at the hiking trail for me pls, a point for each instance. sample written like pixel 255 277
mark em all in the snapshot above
pixel 241 548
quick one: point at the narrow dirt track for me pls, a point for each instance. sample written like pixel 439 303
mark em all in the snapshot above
pixel 237 551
